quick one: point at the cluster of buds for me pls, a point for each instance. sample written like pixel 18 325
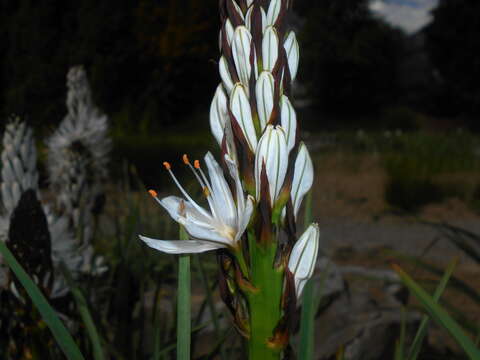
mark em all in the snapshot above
pixel 255 192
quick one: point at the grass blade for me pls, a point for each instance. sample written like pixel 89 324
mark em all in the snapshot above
pixel 85 315
pixel 59 331
pixel 183 304
pixel 307 331
pixel 422 329
pixel 400 343
pixel 439 315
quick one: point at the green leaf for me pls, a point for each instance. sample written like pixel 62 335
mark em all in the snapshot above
pixel 183 304
pixel 422 329
pixel 86 316
pixel 307 330
pixel 60 333
pixel 439 315
pixel 400 343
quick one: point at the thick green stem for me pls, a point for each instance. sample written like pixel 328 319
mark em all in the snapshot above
pixel 264 305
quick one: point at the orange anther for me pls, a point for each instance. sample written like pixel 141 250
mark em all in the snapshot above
pixel 185 159
pixel 153 193
pixel 167 165
pixel 196 163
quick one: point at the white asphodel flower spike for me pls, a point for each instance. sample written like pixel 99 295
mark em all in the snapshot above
pixel 222 226
pixel 303 257
pixel 272 151
pixel 302 178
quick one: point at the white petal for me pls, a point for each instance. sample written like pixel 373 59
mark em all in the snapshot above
pixel 180 246
pixel 237 8
pixel 249 3
pixel 240 108
pixel 264 91
pixel 270 48
pixel 272 150
pixel 219 114
pixel 179 208
pixel 288 119
pixel 241 46
pixel 304 256
pixel 234 173
pixel 293 54
pixel 210 234
pixel 222 197
pixel 248 19
pixel 244 217
pixel 302 178
pixel 273 11
pixel 225 74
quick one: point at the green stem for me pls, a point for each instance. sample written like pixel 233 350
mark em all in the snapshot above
pixel 264 305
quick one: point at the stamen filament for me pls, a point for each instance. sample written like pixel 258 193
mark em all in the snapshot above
pixel 199 208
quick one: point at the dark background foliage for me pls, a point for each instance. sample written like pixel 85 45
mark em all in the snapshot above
pixel 153 62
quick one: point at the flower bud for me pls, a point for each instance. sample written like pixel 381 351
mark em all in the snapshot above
pixel 264 91
pixel 219 114
pixel 303 257
pixel 225 75
pixel 273 11
pixel 240 108
pixel 302 177
pixel 293 53
pixel 241 46
pixel 270 48
pixel 288 118
pixel 273 154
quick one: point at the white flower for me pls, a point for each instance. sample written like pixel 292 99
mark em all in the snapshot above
pixel 225 74
pixel 272 153
pixel 303 257
pixel 302 178
pixel 220 227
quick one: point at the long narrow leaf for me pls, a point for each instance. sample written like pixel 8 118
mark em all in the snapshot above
pixel 307 329
pixel 183 304
pixel 82 306
pixel 60 333
pixel 440 315
pixel 422 329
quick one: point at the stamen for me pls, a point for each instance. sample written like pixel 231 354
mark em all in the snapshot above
pixel 204 178
pixel 167 165
pixel 153 193
pixel 196 163
pixel 195 205
pixel 185 159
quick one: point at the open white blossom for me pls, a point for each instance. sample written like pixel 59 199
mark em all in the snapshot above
pixel 221 226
